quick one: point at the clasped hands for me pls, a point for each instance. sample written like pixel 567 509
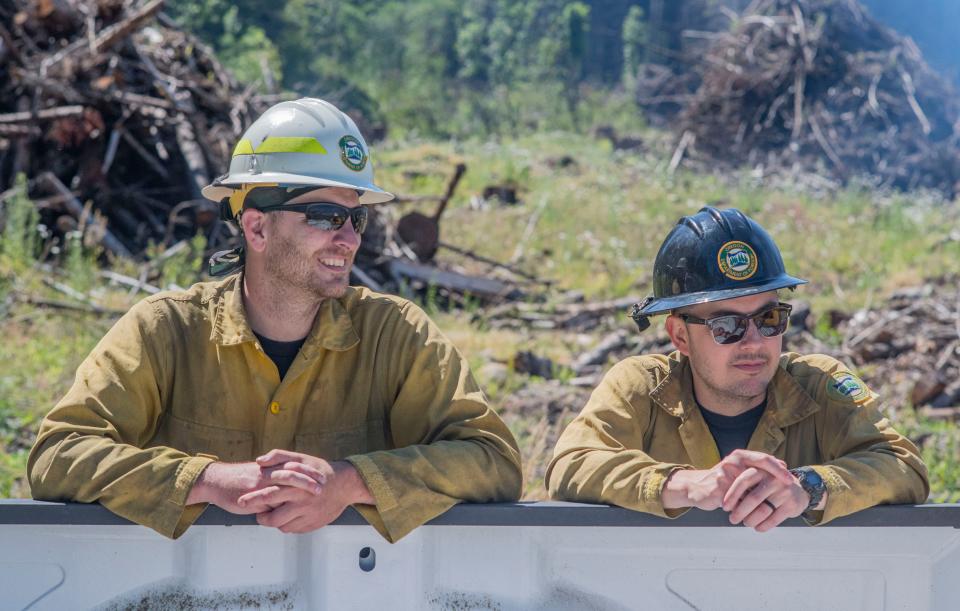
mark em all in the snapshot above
pixel 291 491
pixel 756 489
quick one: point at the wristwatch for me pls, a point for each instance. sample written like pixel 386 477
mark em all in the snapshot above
pixel 812 484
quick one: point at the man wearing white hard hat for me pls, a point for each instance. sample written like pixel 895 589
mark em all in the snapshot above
pixel 279 390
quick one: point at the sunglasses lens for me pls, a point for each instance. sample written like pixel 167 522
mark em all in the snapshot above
pixel 331 217
pixel 325 218
pixel 773 322
pixel 359 217
pixel 728 329
pixel 731 329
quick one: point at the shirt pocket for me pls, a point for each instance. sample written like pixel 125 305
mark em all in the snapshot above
pixel 342 442
pixel 229 445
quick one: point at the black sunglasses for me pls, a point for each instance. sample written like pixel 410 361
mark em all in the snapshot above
pixel 730 328
pixel 326 215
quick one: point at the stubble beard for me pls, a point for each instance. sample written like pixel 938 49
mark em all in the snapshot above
pixel 297 271
pixel 747 390
pixel 750 390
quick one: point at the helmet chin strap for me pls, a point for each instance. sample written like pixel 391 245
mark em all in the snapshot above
pixel 226 212
pixel 643 322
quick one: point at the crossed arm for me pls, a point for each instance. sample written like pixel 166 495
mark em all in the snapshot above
pixel 104 441
pixel 298 493
pixel 618 451
pixel 756 489
pixel 287 490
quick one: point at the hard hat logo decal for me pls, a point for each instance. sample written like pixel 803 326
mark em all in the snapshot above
pixel 352 153
pixel 737 260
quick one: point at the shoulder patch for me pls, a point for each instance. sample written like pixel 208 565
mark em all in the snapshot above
pixel 844 386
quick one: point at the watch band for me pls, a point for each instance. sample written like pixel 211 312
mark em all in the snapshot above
pixel 812 484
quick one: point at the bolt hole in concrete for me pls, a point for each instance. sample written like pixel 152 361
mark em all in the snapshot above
pixel 368 559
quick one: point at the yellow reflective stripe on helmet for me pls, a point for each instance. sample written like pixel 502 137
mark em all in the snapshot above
pixel 240 195
pixel 244 147
pixel 291 144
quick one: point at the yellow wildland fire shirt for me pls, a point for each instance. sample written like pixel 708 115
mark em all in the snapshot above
pixel 642 423
pixel 181 380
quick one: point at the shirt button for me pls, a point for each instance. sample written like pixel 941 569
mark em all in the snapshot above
pixel 274 408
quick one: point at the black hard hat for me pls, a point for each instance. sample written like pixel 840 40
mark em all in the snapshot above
pixel 711 256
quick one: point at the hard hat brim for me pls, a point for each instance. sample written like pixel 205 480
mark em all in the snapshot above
pixel 371 193
pixel 659 306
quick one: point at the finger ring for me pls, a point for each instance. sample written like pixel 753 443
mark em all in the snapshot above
pixel 769 504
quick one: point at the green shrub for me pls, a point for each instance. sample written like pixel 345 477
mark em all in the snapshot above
pixel 21 237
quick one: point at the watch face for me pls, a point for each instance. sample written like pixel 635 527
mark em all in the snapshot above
pixel 813 478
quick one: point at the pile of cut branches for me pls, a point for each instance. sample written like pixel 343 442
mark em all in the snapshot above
pixel 910 347
pixel 820 86
pixel 113 112
pixel 118 118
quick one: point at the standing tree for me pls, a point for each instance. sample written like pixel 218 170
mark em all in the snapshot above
pixel 563 51
pixel 634 44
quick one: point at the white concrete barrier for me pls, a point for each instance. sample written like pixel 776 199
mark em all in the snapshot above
pixel 540 556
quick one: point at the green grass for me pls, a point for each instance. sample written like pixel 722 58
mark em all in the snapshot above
pixel 38 357
pixel 41 347
pixel 939 442
pixel 602 221
pixel 598 225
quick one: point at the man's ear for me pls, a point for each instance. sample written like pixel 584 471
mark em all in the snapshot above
pixel 255 227
pixel 678 333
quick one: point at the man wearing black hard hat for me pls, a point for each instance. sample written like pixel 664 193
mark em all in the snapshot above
pixel 727 421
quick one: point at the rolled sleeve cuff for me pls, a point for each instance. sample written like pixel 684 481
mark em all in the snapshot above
pixel 376 483
pixel 651 492
pixel 379 514
pixel 175 515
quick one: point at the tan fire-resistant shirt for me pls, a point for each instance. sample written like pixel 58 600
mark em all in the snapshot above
pixel 181 377
pixel 642 423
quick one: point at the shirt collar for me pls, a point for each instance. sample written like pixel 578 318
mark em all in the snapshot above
pixel 230 326
pixel 333 327
pixel 674 393
pixel 787 401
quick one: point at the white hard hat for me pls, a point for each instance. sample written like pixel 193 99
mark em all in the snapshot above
pixel 301 143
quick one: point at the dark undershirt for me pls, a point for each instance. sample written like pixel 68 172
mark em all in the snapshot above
pixel 281 353
pixel 732 432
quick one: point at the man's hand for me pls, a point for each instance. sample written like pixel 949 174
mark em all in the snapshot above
pixel 294 510
pixel 706 489
pixel 762 500
pixel 223 484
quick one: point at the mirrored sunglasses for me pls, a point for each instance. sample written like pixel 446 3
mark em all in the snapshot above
pixel 326 215
pixel 730 328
